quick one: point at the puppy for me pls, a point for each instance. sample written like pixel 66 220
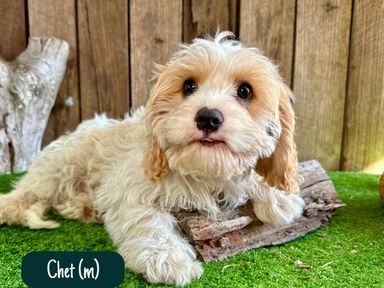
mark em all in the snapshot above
pixel 216 132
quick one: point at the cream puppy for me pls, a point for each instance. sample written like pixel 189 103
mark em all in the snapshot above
pixel 216 132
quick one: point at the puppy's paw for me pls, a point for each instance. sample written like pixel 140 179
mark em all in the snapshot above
pixel 10 212
pixel 279 208
pixel 175 269
pixel 33 219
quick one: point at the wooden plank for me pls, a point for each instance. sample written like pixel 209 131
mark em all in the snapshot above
pixel 364 129
pixel 103 55
pixel 381 187
pixel 321 61
pixel 269 26
pixel 12 28
pixel 205 17
pixel 156 30
pixel 234 14
pixel 58 18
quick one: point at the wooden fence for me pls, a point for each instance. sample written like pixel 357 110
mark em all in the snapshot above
pixel 331 52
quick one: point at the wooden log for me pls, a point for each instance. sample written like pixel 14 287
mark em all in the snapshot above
pixel 28 88
pixel 239 230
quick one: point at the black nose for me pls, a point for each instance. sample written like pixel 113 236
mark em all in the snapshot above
pixel 209 120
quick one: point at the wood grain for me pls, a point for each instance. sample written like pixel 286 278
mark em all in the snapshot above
pixel 269 26
pixel 13 33
pixel 156 31
pixel 321 59
pixel 364 122
pixel 205 17
pixel 44 21
pixel 381 187
pixel 103 52
pixel 108 39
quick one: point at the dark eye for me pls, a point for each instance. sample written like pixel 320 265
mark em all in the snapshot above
pixel 189 87
pixel 244 91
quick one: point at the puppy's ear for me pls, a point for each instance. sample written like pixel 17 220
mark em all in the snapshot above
pixel 155 165
pixel 279 170
pixel 155 162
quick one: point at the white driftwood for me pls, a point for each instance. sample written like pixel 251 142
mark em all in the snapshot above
pixel 28 89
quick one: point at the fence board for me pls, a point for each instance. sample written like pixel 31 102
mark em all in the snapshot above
pixel 103 50
pixel 44 20
pixel 204 17
pixel 364 125
pixel 156 30
pixel 309 38
pixel 269 26
pixel 321 59
pixel 12 28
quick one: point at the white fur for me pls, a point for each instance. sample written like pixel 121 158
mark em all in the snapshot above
pixel 97 172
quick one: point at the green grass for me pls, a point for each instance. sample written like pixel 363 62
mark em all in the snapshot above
pixel 348 253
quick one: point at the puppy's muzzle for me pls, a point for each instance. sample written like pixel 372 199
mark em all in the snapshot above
pixel 209 120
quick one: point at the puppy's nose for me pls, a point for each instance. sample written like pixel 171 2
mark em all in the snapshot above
pixel 209 120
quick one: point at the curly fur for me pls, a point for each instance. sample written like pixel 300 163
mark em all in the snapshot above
pixel 132 174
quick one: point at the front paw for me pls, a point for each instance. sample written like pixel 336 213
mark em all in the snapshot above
pixel 174 269
pixel 279 208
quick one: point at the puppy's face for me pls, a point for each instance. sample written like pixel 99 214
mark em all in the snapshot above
pixel 216 109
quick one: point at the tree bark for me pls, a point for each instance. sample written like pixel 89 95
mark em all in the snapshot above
pixel 28 89
pixel 239 230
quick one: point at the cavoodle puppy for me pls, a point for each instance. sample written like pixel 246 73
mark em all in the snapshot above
pixel 216 132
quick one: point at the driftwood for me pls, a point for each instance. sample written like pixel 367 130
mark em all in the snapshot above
pixel 28 89
pixel 239 230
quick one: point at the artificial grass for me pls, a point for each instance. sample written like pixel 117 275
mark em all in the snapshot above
pixel 348 253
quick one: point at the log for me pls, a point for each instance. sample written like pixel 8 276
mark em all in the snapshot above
pixel 239 230
pixel 28 89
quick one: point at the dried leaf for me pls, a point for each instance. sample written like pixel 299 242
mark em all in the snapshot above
pixel 300 264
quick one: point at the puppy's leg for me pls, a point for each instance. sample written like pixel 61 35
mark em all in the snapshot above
pixel 150 243
pixel 22 208
pixel 29 201
pixel 53 180
pixel 274 206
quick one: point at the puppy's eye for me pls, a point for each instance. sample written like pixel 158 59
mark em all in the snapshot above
pixel 189 87
pixel 244 91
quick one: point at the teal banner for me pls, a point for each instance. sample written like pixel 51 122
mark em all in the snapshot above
pixel 72 269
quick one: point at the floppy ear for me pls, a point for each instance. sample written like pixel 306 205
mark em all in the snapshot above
pixel 279 170
pixel 155 162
